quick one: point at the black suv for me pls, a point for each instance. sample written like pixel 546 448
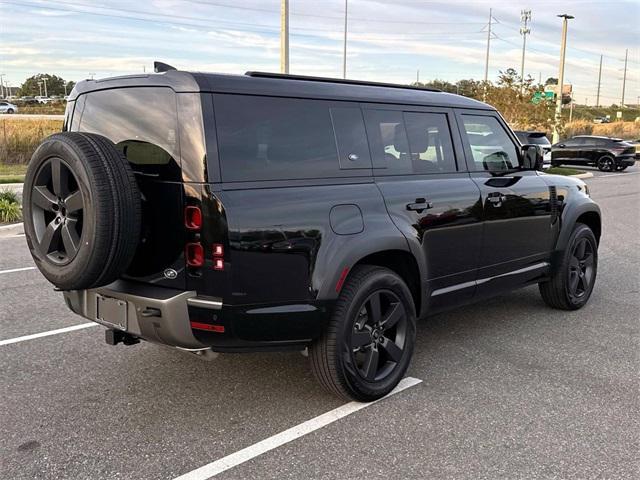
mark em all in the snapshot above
pixel 608 154
pixel 221 213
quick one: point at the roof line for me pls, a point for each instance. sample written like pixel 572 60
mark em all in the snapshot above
pixel 286 76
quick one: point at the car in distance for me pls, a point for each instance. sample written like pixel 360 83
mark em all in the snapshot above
pixel 536 138
pixel 6 107
pixel 608 154
pixel 264 212
pixel 601 120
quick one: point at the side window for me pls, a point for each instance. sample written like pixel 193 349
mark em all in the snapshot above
pixel 388 140
pixel 491 147
pixel 430 142
pixel 269 138
pixel 351 136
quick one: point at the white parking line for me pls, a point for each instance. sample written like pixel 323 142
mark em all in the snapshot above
pixel 17 270
pixel 46 334
pixel 246 454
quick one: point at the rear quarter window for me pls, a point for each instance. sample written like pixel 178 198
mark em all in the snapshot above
pixel 269 138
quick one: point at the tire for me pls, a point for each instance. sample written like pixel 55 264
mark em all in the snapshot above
pixel 354 338
pixel 82 211
pixel 621 169
pixel 606 163
pixel 576 265
pixel 10 111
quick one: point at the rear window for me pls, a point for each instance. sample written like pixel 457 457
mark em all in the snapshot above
pixel 142 122
pixel 267 138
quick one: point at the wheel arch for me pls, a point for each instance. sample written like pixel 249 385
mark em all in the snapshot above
pixel 587 213
pixel 404 264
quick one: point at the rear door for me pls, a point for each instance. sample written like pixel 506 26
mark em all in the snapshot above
pixel 516 205
pixel 419 167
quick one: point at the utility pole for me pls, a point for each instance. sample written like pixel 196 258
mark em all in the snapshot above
pixel 44 80
pixel 344 48
pixel 91 75
pixel 624 77
pixel 65 89
pixel 486 61
pixel 284 36
pixel 563 51
pixel 525 18
pixel 2 94
pixel 40 87
pixel 599 80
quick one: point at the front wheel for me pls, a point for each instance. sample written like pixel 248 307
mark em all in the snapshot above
pixel 368 344
pixel 10 111
pixel 606 164
pixel 573 279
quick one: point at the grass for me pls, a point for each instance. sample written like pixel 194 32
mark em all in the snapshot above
pixel 563 171
pixel 10 210
pixel 12 172
pixel 19 139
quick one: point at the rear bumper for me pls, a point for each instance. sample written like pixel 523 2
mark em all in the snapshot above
pixel 182 319
pixel 156 314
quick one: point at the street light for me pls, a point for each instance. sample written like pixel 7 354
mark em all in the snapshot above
pixel 563 49
pixel 40 87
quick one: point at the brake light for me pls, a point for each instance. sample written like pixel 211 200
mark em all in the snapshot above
pixel 218 250
pixel 193 218
pixel 194 254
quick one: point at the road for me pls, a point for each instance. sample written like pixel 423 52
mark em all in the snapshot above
pixel 510 389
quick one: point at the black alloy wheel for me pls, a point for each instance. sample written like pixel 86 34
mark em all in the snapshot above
pixel 379 336
pixel 581 269
pixel 606 164
pixel 57 209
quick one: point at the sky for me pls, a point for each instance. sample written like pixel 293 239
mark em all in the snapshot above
pixel 387 40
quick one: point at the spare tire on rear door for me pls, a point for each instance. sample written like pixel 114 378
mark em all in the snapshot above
pixel 82 211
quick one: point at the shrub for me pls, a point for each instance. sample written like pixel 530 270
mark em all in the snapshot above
pixel 9 211
pixel 9 196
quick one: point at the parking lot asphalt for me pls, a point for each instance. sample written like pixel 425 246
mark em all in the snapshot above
pixel 510 389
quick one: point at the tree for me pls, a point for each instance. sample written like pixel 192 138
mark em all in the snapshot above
pixel 55 85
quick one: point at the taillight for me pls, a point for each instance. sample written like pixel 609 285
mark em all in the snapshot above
pixel 193 218
pixel 218 256
pixel 194 254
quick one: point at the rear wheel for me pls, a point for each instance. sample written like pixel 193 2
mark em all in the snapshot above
pixel 606 163
pixel 369 341
pixel 81 211
pixel 574 278
pixel 10 110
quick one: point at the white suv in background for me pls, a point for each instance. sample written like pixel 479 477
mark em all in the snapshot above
pixel 6 107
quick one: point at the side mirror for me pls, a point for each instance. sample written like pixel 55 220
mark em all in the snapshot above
pixel 532 157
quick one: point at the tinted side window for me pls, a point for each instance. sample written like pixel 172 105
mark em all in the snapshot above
pixel 388 140
pixel 430 142
pixel 268 138
pixel 142 122
pixel 491 147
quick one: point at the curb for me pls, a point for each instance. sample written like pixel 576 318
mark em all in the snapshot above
pixel 12 230
pixel 583 175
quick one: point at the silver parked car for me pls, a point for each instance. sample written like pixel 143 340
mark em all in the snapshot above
pixel 6 107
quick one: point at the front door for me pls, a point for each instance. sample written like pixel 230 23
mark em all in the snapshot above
pixel 516 206
pixel 420 170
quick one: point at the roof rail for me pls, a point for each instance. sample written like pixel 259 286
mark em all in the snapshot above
pixel 286 76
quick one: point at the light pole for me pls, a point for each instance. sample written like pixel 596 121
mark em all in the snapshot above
pixel 40 87
pixel 525 17
pixel 284 36
pixel 2 93
pixel 563 50
pixel 344 51
pixel 44 80
pixel 91 76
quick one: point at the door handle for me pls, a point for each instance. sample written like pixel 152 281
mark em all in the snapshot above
pixel 496 198
pixel 419 205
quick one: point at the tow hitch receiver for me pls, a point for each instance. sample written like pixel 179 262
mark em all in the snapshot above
pixel 114 337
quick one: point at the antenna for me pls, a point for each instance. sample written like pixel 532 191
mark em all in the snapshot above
pixel 160 67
